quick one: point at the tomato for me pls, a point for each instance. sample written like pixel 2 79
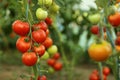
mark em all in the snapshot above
pixel 48 20
pixel 47 32
pixel 41 25
pixel 94 18
pixel 93 77
pixel 23 44
pixel 57 66
pixel 48 42
pixel 41 14
pixel 21 28
pixel 47 3
pixel 95 72
pixel 117 47
pixel 95 29
pixel 43 77
pixel 39 36
pixel 29 58
pixel 106 71
pixel 114 19
pixel 51 62
pixel 100 51
pixel 54 8
pixel 52 50
pixel 51 70
pixel 117 40
pixel 56 56
pixel 45 56
pixel 40 50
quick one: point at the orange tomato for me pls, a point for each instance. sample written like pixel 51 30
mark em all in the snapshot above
pixel 100 51
pixel 117 47
pixel 117 1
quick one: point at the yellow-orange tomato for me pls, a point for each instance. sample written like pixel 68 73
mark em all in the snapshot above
pixel 117 0
pixel 100 51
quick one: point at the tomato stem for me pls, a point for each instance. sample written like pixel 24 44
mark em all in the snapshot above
pixel 100 69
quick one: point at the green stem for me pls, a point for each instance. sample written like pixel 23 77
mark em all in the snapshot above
pixel 100 69
pixel 35 72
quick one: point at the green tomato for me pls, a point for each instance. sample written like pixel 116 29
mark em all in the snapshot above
pixel 79 19
pixel 45 2
pixel 41 14
pixel 52 50
pixel 45 56
pixel 94 18
pixel 51 70
pixel 54 8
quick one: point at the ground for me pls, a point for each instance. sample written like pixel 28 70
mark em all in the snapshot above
pixel 9 72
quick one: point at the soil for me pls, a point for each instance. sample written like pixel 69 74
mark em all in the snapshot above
pixel 8 72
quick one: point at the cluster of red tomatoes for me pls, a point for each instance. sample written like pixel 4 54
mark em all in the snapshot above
pixel 95 74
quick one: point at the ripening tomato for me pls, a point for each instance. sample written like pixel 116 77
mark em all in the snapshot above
pixel 29 58
pixel 52 49
pixel 93 77
pixel 56 56
pixel 106 71
pixel 48 20
pixel 51 62
pixel 114 19
pixel 41 25
pixel 45 56
pixel 23 44
pixel 40 50
pixel 100 51
pixel 95 71
pixel 39 36
pixel 47 3
pixel 41 14
pixel 57 66
pixel 48 42
pixel 21 28
pixel 94 18
pixel 43 77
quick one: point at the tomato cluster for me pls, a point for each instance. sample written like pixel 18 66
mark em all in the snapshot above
pixel 95 74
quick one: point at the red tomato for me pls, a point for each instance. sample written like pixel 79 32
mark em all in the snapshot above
pixel 43 77
pixel 23 44
pixel 56 56
pixel 48 20
pixel 39 36
pixel 106 71
pixel 51 62
pixel 21 28
pixel 41 25
pixel 48 42
pixel 93 77
pixel 40 50
pixel 117 40
pixel 95 29
pixel 57 66
pixel 29 58
pixel 114 19
pixel 95 71
pixel 47 32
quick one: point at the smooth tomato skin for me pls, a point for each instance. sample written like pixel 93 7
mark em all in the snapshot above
pixel 100 51
pixel 40 50
pixel 39 36
pixel 95 29
pixel 57 66
pixel 94 18
pixel 43 77
pixel 29 58
pixel 51 62
pixel 41 25
pixel 48 20
pixel 52 49
pixel 45 56
pixel 48 42
pixel 114 19
pixel 93 77
pixel 117 40
pixel 22 45
pixel 56 56
pixel 21 28
pixel 95 71
pixel 106 71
